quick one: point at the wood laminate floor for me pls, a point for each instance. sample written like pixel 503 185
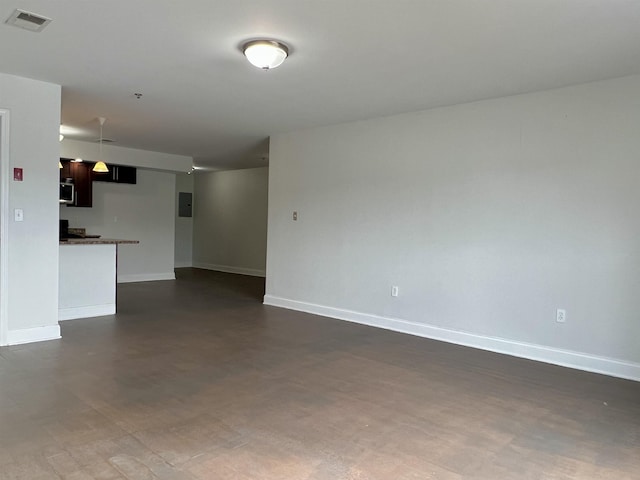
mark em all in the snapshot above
pixel 195 379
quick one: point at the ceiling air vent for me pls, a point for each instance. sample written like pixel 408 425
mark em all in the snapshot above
pixel 27 20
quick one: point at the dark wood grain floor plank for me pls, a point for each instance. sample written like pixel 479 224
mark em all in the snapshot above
pixel 196 379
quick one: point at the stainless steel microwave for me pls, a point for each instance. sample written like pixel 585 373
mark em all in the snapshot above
pixel 67 193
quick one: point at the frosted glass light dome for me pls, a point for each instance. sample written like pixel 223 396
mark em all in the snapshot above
pixel 265 54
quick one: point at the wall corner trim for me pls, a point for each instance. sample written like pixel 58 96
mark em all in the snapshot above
pixel 30 335
pixel 5 160
pixel 564 358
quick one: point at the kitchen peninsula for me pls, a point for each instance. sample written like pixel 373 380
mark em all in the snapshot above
pixel 87 278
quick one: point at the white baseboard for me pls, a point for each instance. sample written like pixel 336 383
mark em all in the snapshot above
pixel 86 312
pixel 229 269
pixel 146 277
pixel 565 358
pixel 29 335
pixel 183 265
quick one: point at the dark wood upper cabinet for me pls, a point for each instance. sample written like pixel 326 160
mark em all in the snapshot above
pixel 83 176
pixel 65 171
pixel 116 174
pixel 126 174
pixel 103 176
pixel 80 174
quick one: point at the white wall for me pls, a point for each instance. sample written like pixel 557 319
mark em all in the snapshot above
pixel 125 156
pixel 144 212
pixel 184 225
pixel 488 216
pixel 33 244
pixel 230 220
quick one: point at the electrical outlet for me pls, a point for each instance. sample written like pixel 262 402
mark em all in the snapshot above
pixel 394 291
pixel 561 315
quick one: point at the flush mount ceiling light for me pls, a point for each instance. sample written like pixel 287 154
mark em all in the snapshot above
pixel 265 54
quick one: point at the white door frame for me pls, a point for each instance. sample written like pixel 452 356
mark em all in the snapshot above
pixel 4 225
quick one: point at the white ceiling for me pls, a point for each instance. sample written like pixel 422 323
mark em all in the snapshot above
pixel 350 60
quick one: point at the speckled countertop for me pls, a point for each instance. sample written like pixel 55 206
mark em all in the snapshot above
pixel 96 241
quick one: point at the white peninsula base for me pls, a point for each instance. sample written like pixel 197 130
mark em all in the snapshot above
pixel 87 278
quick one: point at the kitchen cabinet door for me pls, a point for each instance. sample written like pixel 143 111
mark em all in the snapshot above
pixel 116 174
pixel 80 175
pixel 125 174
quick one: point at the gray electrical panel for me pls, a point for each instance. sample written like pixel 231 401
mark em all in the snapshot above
pixel 185 200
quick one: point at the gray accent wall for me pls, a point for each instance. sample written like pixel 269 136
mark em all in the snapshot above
pixel 487 216
pixel 230 220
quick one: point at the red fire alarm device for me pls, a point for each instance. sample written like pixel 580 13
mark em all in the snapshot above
pixel 17 174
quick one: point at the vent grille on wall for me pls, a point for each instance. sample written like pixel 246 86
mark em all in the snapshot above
pixel 28 20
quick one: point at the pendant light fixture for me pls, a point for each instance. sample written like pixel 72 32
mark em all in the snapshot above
pixel 100 166
pixel 265 54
